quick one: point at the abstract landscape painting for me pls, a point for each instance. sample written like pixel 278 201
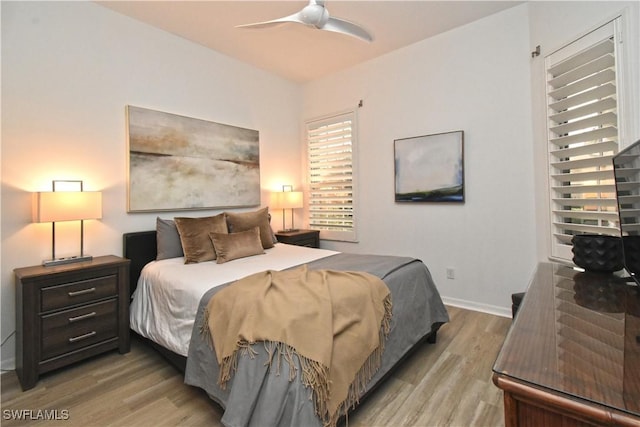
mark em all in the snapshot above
pixel 178 163
pixel 430 168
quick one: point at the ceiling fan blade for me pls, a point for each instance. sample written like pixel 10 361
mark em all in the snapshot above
pixel 295 18
pixel 348 28
pixel 316 15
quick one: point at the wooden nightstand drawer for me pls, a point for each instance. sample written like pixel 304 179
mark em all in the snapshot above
pixel 70 330
pixel 311 243
pixel 75 293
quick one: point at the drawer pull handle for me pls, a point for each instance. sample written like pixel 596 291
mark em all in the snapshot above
pixel 82 337
pixel 82 317
pixel 82 292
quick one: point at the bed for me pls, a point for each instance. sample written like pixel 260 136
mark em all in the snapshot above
pixel 169 299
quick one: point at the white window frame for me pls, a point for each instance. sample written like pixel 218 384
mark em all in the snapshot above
pixel 342 232
pixel 607 220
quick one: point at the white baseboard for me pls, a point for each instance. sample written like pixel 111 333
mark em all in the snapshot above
pixel 8 364
pixel 483 308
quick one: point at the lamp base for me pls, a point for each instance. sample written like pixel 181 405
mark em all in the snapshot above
pixel 67 260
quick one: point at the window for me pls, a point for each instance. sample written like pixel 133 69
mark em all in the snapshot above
pixel 331 171
pixel 583 136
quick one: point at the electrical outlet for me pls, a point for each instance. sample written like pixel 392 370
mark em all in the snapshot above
pixel 451 274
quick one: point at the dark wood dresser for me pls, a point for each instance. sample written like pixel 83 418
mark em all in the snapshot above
pixel 310 238
pixel 572 355
pixel 69 312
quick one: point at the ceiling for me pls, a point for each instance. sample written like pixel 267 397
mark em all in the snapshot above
pixel 297 52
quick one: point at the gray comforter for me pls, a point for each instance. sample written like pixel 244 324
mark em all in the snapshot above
pixel 257 396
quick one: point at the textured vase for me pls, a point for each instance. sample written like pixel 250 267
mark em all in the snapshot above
pixel 597 253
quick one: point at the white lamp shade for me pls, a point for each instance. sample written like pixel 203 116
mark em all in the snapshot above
pixel 55 206
pixel 286 200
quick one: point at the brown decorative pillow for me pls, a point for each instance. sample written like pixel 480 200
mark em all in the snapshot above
pixel 244 221
pixel 236 245
pixel 194 236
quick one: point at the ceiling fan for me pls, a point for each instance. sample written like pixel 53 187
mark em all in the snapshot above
pixel 316 15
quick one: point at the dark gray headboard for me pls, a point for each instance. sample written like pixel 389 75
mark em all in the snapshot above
pixel 141 248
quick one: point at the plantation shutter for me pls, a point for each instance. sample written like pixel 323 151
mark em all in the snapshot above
pixel 583 137
pixel 331 176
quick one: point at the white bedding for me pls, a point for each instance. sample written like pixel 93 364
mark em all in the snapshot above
pixel 166 299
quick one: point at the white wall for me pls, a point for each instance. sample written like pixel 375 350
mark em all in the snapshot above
pixel 476 79
pixel 68 70
pixel 553 25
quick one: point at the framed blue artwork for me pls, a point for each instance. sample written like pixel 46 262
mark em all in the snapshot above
pixel 430 168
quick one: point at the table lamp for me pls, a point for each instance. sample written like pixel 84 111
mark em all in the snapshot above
pixel 56 206
pixel 287 199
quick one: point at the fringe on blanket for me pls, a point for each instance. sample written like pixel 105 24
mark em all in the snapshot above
pixel 314 375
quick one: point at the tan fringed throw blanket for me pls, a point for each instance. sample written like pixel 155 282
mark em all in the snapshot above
pixel 335 323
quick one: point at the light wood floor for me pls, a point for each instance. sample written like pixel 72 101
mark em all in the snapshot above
pixel 446 384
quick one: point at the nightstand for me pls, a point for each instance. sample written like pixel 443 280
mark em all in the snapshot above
pixel 70 312
pixel 310 238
